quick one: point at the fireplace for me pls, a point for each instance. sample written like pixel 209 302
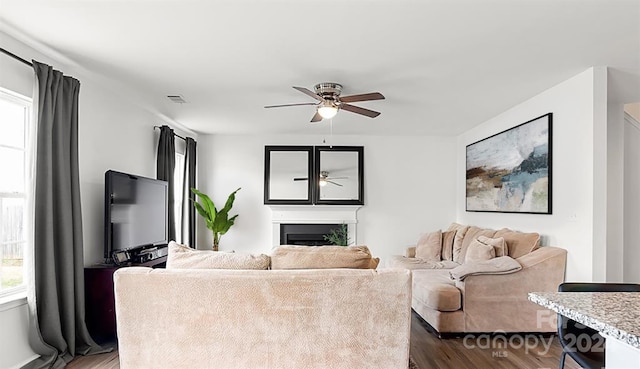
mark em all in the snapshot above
pixel 317 215
pixel 305 234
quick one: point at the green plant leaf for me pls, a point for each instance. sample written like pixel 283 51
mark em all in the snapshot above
pixel 339 236
pixel 230 200
pixel 217 221
pixel 200 210
pixel 231 221
pixel 207 203
pixel 220 221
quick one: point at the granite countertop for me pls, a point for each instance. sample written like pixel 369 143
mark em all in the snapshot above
pixel 616 314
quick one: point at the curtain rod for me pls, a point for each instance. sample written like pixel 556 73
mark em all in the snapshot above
pixel 16 57
pixel 7 52
pixel 175 134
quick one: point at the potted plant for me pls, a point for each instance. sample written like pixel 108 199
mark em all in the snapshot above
pixel 218 221
pixel 339 236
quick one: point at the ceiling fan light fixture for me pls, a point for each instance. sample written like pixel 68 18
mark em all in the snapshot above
pixel 322 181
pixel 327 110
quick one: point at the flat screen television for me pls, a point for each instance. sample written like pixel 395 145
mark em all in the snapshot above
pixel 136 213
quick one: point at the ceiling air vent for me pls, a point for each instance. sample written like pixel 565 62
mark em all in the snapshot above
pixel 176 99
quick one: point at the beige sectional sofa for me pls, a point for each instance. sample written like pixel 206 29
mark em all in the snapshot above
pixel 247 318
pixel 462 295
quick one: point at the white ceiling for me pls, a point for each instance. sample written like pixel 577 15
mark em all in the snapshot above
pixel 444 66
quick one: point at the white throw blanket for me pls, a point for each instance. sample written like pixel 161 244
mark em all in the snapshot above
pixel 499 265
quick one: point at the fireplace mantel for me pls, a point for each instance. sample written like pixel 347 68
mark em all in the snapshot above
pixel 314 214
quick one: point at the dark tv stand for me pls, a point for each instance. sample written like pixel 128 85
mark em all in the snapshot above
pixel 99 298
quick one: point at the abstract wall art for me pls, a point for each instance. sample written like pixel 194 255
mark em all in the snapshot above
pixel 510 172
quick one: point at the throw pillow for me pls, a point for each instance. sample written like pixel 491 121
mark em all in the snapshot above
pixel 518 243
pixel 455 226
pixel 472 233
pixel 457 241
pixel 184 257
pixel 321 257
pixel 447 245
pixel 478 251
pixel 498 244
pixel 374 263
pixel 429 246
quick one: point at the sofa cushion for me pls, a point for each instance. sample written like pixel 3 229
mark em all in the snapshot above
pixel 436 290
pixel 447 245
pixel 322 257
pixel 471 234
pixel 429 246
pixel 478 251
pixel 498 244
pixel 518 243
pixel 184 257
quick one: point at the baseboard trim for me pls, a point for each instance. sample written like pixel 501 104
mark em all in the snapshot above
pixel 25 362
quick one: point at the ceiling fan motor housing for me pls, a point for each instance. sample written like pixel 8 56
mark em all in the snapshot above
pixel 328 90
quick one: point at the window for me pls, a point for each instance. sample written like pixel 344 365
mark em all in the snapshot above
pixel 178 180
pixel 15 115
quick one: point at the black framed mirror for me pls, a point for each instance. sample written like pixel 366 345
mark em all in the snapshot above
pixel 288 175
pixel 339 173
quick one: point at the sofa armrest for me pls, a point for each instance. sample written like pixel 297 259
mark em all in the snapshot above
pixel 543 255
pixel 500 301
pixel 410 252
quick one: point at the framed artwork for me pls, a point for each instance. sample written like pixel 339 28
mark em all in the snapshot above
pixel 510 172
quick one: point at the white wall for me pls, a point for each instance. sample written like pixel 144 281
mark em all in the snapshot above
pixel 615 193
pixel 631 200
pixel 633 110
pixel 600 173
pixel 571 226
pixel 114 133
pixel 409 188
pixel 14 344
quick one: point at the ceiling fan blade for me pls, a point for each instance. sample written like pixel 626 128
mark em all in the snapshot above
pixel 309 92
pixel 301 179
pixel 296 104
pixel 335 183
pixel 362 97
pixel 359 110
pixel 337 177
pixel 316 118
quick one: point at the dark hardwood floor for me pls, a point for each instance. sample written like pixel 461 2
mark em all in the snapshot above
pixel 430 352
pixel 524 351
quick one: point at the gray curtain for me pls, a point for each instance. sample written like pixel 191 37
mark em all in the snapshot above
pixel 166 163
pixel 57 309
pixel 189 182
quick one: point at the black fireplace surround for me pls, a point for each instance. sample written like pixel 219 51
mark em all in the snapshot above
pixel 305 234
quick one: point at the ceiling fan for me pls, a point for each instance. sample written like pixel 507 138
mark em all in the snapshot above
pixel 324 179
pixel 329 101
